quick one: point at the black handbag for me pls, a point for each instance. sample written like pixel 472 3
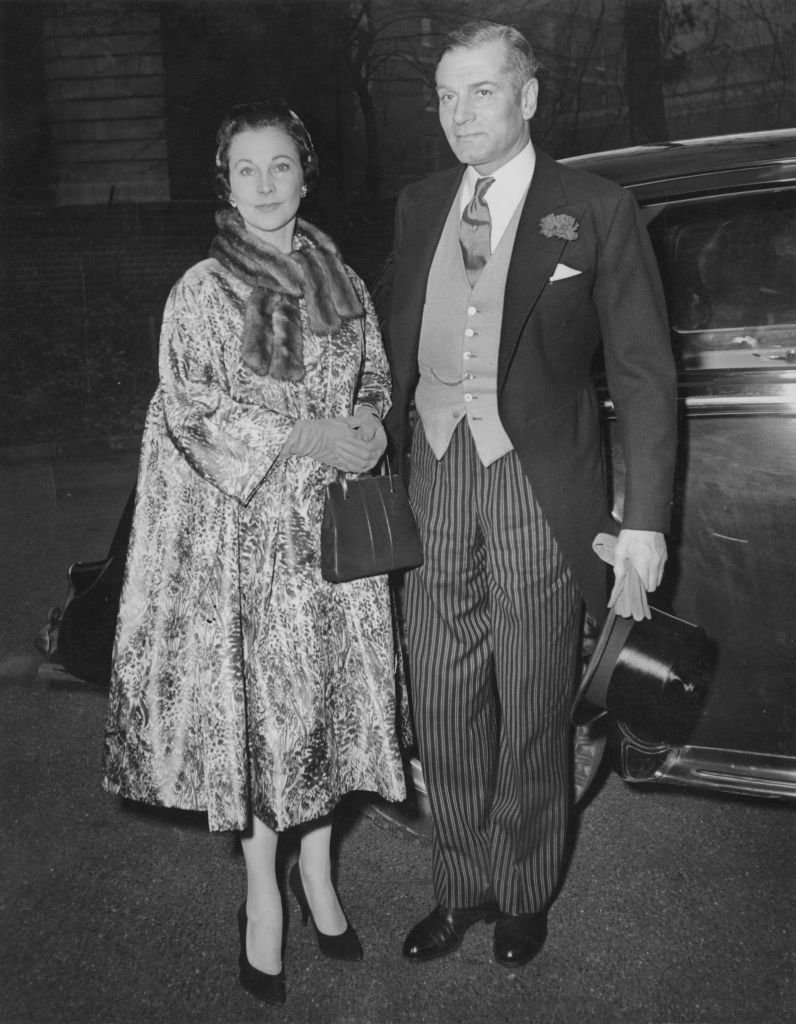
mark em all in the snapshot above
pixel 78 641
pixel 368 528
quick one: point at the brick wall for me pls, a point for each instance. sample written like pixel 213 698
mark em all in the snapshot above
pixel 105 84
pixel 81 297
pixel 75 246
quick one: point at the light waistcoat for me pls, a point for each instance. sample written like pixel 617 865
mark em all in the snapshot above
pixel 459 340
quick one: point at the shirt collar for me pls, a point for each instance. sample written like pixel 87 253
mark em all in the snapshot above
pixel 511 180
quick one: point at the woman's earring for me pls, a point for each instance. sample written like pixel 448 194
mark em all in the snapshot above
pixel 303 192
pixel 233 204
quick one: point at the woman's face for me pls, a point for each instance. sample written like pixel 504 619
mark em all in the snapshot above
pixel 265 179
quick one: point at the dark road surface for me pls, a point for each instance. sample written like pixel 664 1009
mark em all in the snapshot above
pixel 677 908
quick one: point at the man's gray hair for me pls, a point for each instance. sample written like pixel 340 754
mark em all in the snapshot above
pixel 521 62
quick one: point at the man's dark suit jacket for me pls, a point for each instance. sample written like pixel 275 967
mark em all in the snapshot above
pixel 550 334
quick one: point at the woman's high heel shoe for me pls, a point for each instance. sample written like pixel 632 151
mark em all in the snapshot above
pixel 345 946
pixel 270 988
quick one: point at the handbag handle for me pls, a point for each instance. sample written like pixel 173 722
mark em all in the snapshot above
pixel 383 461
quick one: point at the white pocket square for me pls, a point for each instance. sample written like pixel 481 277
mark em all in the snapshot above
pixel 562 271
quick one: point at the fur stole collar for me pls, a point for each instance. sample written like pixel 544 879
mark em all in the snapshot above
pixel 272 342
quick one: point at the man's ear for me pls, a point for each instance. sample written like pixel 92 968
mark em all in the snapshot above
pixel 528 97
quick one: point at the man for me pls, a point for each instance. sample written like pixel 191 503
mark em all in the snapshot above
pixel 507 275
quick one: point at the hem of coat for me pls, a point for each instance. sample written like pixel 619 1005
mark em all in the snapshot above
pixel 118 789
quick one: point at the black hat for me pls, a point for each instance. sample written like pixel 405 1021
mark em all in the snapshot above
pixel 652 674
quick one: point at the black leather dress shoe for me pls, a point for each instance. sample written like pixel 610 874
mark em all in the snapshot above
pixel 519 937
pixel 443 930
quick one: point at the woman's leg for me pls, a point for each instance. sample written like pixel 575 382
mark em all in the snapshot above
pixel 263 900
pixel 315 865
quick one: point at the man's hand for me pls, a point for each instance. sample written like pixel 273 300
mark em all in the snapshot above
pixel 646 551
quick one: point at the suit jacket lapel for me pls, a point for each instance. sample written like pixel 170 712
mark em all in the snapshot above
pixel 533 258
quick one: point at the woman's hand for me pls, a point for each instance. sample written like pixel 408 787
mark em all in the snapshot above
pixel 338 442
pixel 368 422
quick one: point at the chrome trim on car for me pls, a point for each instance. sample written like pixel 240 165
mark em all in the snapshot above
pixel 710 401
pixel 786 401
pixel 730 771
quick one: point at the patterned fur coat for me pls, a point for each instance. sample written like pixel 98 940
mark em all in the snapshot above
pixel 243 682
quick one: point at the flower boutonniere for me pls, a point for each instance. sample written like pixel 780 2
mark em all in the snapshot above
pixel 559 225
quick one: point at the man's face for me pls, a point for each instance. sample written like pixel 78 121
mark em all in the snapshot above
pixel 484 120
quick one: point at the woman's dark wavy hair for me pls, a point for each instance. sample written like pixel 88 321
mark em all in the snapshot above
pixel 270 113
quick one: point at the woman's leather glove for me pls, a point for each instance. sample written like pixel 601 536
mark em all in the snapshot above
pixel 340 442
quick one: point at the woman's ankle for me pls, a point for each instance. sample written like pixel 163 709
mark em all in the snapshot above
pixel 264 942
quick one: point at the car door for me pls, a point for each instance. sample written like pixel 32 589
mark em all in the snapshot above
pixel 728 264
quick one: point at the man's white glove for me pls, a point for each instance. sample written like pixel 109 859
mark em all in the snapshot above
pixel 640 551
pixel 646 552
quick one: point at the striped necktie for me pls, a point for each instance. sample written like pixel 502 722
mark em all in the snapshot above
pixel 474 231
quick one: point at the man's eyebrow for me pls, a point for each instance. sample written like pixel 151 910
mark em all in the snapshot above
pixel 472 85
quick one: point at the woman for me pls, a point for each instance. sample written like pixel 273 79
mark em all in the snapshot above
pixel 243 683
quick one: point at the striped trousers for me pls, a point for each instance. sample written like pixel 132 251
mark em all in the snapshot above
pixel 493 622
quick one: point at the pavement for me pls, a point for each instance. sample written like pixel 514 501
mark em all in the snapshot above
pixel 676 907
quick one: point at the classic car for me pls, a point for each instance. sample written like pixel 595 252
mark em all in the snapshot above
pixel 721 213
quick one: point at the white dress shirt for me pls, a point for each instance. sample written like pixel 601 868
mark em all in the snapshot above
pixel 502 198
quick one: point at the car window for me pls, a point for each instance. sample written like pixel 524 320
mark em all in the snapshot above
pixel 729 269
